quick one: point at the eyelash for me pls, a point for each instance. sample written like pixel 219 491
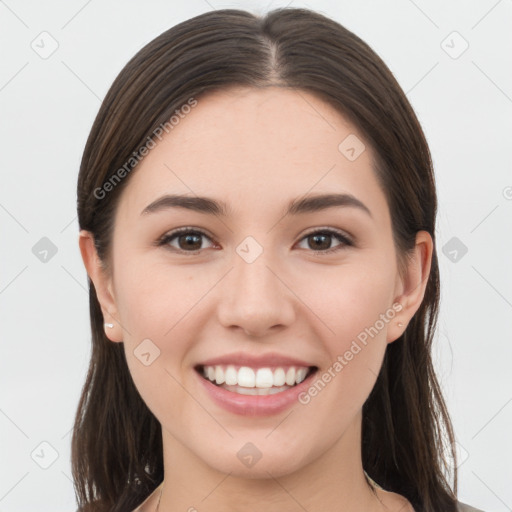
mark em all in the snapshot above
pixel 346 241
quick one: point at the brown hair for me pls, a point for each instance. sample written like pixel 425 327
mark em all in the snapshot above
pixel 117 458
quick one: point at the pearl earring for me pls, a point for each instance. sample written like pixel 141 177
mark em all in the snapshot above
pixel 110 326
pixel 400 324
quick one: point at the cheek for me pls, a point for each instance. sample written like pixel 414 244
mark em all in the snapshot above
pixel 355 304
pixel 352 300
pixel 152 298
pixel 155 306
pixel 140 301
pixel 158 305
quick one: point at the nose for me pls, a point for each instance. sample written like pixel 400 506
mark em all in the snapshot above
pixel 255 297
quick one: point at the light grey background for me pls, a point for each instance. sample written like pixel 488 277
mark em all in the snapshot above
pixel 47 106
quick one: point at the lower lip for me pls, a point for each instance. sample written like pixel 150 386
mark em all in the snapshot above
pixel 254 405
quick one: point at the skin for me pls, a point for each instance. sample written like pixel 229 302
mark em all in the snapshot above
pixel 257 149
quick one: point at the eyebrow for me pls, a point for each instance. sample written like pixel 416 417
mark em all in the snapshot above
pixel 208 205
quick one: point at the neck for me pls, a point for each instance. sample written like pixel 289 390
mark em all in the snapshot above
pixel 333 481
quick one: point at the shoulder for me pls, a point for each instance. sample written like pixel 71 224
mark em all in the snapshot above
pixel 462 507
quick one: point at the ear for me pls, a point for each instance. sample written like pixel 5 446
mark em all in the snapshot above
pixel 411 288
pixel 102 284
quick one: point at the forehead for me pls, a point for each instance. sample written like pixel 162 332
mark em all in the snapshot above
pixel 248 145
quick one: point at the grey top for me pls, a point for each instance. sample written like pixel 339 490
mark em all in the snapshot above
pixel 461 507
pixel 151 502
pixel 467 508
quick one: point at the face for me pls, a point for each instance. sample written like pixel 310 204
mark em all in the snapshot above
pixel 253 293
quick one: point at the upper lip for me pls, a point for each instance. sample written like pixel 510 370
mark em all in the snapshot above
pixel 255 361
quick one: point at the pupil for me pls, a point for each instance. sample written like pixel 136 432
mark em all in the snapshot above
pixel 190 240
pixel 317 237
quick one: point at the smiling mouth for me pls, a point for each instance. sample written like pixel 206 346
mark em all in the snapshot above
pixel 245 380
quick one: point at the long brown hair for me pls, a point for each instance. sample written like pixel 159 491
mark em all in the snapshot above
pixel 117 458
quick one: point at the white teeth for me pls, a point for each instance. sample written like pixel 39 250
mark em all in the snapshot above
pixel 290 376
pixel 301 375
pixel 279 377
pixel 219 375
pixel 256 391
pixel 231 376
pixel 246 377
pixel 261 381
pixel 264 378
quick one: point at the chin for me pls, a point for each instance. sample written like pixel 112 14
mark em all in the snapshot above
pixel 247 461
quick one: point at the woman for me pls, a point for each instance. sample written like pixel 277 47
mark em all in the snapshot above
pixel 257 209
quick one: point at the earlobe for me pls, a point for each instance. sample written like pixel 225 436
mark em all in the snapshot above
pixel 102 284
pixel 412 287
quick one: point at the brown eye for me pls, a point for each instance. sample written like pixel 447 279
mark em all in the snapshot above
pixel 191 240
pixel 188 240
pixel 320 241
